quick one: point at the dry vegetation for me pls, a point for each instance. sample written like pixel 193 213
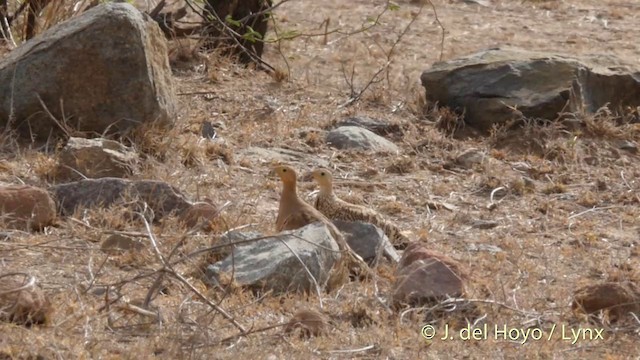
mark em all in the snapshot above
pixel 568 213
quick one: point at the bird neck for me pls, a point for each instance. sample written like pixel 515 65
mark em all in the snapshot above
pixel 289 191
pixel 326 190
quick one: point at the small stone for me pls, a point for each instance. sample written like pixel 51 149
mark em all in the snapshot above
pixel 424 276
pixel 202 212
pixel 27 306
pixel 117 242
pixel 353 137
pixel 484 224
pixel 378 127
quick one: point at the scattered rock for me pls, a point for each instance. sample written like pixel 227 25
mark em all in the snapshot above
pixel 367 240
pixel 208 130
pixel 22 301
pixel 95 158
pixel 354 137
pixel 484 247
pixel 424 276
pixel 501 84
pixel 471 158
pixel 310 323
pixel 26 207
pixel 484 224
pixel 477 2
pixel 203 212
pixel 117 243
pixel 376 126
pixel 272 264
pixel 618 299
pixel 629 146
pixel 120 75
pixel 262 155
pixel 159 196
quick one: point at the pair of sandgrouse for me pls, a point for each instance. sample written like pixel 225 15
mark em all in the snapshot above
pixel 294 212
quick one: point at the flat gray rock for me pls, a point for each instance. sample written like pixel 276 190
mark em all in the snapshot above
pixel 355 137
pixel 268 155
pixel 95 158
pixel 502 84
pixel 377 126
pixel 278 263
pixel 159 196
pixel 367 240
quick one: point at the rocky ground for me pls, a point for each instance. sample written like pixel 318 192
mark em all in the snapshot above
pixel 567 215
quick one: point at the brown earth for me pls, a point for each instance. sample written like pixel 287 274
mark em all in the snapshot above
pixel 575 222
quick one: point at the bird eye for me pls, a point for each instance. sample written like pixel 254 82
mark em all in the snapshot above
pixel 322 174
pixel 284 170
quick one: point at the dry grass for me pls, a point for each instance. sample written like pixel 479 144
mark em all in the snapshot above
pixel 567 216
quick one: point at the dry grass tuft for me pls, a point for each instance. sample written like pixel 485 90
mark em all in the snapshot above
pixel 22 301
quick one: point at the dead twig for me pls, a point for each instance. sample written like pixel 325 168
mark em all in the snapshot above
pixel 167 268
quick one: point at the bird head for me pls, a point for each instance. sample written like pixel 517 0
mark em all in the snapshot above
pixel 322 176
pixel 286 173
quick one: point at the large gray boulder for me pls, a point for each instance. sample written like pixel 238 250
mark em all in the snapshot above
pixel 105 70
pixel 501 84
pixel 159 197
pixel 278 263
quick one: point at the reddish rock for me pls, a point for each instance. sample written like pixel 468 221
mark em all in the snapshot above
pixel 26 207
pixel 310 323
pixel 618 299
pixel 22 302
pixel 424 276
pixel 199 212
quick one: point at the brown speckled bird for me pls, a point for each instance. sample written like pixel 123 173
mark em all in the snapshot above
pixel 335 208
pixel 294 213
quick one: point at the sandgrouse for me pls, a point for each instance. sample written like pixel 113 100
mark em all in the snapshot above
pixel 335 208
pixel 294 213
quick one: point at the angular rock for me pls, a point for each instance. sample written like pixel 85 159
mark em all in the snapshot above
pixel 263 155
pixel 310 322
pixel 95 158
pixel 22 301
pixel 424 276
pixel 26 207
pixel 618 299
pixel 376 126
pixel 120 243
pixel 367 240
pixel 160 197
pixel 199 212
pixel 269 264
pixel 104 71
pixel 501 84
pixel 354 137
pixel 469 158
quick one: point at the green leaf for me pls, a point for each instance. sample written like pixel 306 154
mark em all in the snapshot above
pixel 229 20
pixel 393 6
pixel 252 35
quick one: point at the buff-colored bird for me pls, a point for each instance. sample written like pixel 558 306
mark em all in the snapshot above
pixel 334 208
pixel 294 213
